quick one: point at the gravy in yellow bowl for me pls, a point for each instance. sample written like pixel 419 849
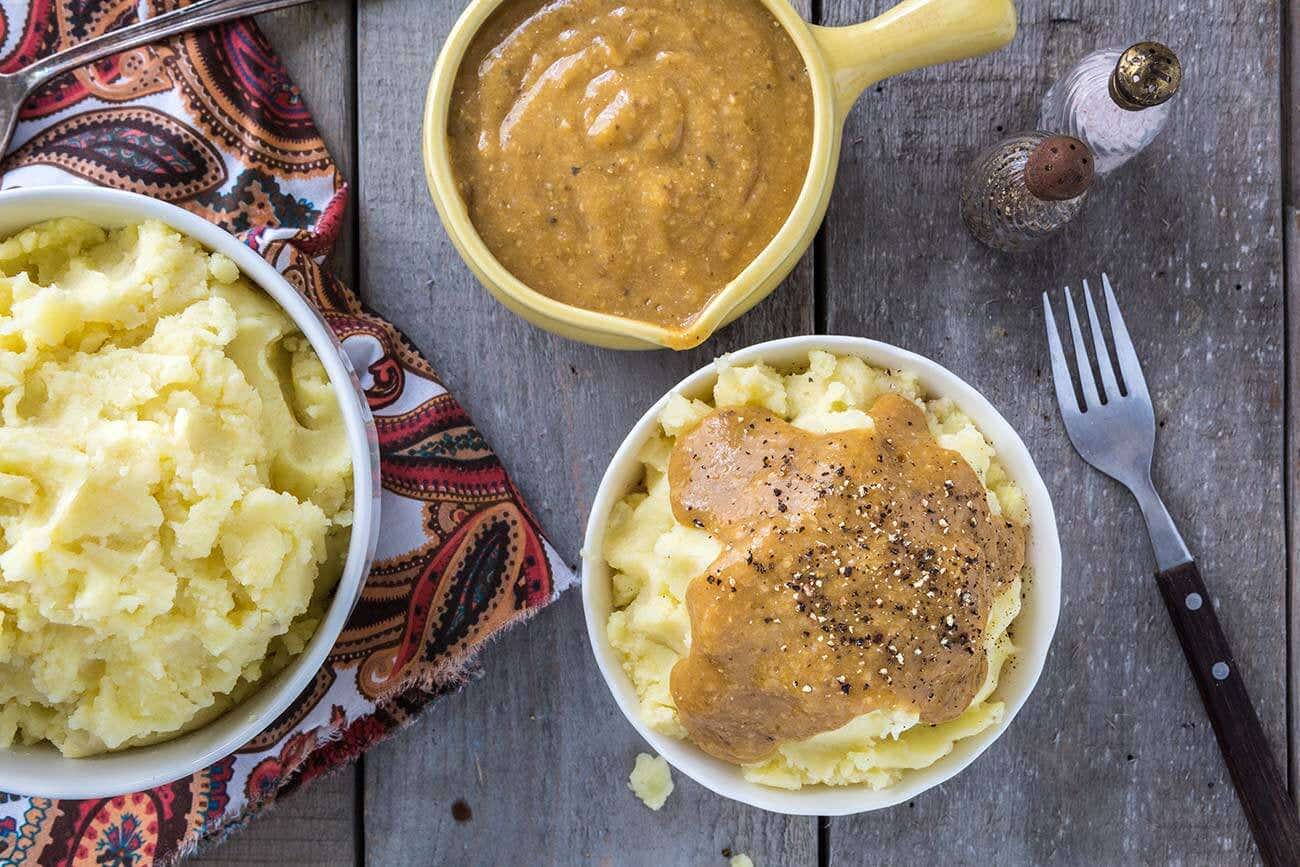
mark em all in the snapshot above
pixel 630 158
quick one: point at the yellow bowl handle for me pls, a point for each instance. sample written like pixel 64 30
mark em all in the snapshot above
pixel 913 34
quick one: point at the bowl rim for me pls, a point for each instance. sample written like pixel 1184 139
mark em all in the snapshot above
pixel 739 292
pixel 40 769
pixel 1034 633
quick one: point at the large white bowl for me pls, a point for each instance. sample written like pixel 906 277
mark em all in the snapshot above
pixel 41 770
pixel 1034 627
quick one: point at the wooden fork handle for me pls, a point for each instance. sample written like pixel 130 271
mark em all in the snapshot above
pixel 1260 785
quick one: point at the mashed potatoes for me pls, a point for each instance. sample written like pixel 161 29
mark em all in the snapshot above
pixel 651 780
pixel 654 558
pixel 174 486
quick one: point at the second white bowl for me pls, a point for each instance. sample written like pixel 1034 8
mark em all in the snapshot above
pixel 1035 625
pixel 40 769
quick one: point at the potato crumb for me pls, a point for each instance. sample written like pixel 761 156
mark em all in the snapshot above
pixel 742 860
pixel 651 780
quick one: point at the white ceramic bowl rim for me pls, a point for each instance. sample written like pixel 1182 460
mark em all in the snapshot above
pixel 41 770
pixel 1034 627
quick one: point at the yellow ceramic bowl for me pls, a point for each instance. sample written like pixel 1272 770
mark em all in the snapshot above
pixel 842 62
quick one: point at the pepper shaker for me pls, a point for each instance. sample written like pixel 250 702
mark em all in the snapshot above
pixel 1024 188
pixel 1116 100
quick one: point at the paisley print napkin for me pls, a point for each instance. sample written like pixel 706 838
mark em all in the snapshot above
pixel 211 121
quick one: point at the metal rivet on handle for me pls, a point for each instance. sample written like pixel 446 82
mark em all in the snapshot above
pixel 1193 601
pixel 1220 671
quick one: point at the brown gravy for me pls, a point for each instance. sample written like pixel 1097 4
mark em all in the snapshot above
pixel 630 157
pixel 857 573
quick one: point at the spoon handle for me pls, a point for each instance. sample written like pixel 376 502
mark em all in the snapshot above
pixel 201 14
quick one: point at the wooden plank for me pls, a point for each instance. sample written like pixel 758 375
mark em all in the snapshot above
pixel 537 749
pixel 1112 761
pixel 1291 240
pixel 314 827
pixel 318 825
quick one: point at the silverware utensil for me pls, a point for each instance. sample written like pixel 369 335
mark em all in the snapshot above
pixel 17 86
pixel 1112 426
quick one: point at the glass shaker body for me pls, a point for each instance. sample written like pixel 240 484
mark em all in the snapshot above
pixel 998 207
pixel 1080 104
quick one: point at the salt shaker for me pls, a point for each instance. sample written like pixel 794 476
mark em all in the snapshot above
pixel 1116 100
pixel 1024 188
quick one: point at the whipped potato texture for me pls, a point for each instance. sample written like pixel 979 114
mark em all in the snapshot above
pixel 175 486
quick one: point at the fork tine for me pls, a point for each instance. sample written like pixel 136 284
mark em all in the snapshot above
pixel 1065 395
pixel 1129 366
pixel 1109 387
pixel 1090 396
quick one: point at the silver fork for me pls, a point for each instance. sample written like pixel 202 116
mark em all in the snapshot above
pixel 15 87
pixel 1113 428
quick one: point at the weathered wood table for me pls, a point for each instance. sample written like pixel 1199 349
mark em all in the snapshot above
pixel 1112 761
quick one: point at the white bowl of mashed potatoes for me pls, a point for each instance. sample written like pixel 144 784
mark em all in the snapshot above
pixel 188 492
pixel 720 590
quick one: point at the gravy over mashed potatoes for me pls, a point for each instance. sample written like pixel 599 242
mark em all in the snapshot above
pixel 817 579
pixel 175 486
